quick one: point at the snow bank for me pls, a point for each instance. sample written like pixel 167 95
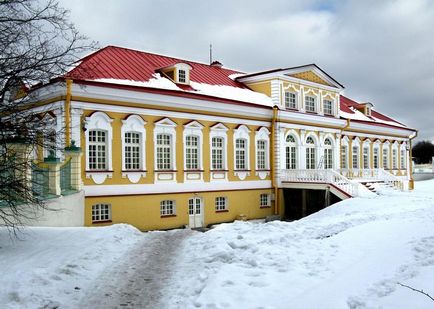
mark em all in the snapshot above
pixel 49 267
pixel 349 255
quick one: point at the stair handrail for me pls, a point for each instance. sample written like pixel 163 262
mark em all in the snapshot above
pixel 348 186
pixel 391 179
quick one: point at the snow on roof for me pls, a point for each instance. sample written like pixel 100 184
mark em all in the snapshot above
pixel 348 110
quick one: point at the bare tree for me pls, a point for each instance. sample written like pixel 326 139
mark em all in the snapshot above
pixel 37 43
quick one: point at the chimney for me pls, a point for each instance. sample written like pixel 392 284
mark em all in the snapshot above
pixel 216 64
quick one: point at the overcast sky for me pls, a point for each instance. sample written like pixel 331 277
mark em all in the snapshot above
pixel 381 51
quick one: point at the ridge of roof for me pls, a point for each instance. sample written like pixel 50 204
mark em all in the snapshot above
pixel 291 68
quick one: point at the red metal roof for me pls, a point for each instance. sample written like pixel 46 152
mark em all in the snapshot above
pixel 346 103
pixel 127 64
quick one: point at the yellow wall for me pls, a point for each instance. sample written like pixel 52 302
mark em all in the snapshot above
pixel 310 76
pixel 117 150
pixel 262 87
pixel 143 211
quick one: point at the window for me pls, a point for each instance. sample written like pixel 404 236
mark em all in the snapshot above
pixel 97 147
pixel 403 159
pixel 221 203
pixel 101 212
pixel 291 153
pixel 344 156
pixel 310 153
pixel 167 208
pixel 192 152
pixel 328 107
pixel 376 158
pixel 366 157
pixel 328 154
pixel 164 152
pixel 182 77
pixel 265 200
pixel 394 159
pixel 132 151
pixel 385 158
pixel 309 103
pixel 217 153
pixel 240 154
pixel 355 157
pixel 290 100
pixel 261 154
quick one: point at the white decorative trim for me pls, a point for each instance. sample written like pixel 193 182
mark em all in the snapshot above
pixel 99 121
pixel 136 124
pixel 263 134
pixel 262 174
pixel 99 177
pixel 219 130
pixel 165 126
pixel 242 132
pixel 163 188
pixel 193 128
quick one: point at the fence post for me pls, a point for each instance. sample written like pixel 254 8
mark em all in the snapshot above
pixel 75 153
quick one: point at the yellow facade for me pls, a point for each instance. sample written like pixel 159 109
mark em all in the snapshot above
pixel 310 76
pixel 143 211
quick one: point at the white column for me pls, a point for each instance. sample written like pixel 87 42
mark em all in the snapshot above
pixel 76 125
pixel 337 152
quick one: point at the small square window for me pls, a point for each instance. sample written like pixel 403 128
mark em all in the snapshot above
pixel 221 203
pixel 265 200
pixel 328 107
pixel 101 213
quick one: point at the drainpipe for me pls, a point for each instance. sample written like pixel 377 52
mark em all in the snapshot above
pixel 273 163
pixel 68 113
pixel 411 181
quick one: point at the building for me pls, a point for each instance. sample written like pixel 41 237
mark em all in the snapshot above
pixel 168 142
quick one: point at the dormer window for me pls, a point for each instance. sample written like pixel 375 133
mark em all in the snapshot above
pixel 182 76
pixel 368 111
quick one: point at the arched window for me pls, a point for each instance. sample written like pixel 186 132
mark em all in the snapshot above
pixel 386 156
pixel 291 153
pixel 366 157
pixel 133 136
pixel 328 154
pixel 310 153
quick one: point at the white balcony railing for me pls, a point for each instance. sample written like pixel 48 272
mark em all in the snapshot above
pixel 327 176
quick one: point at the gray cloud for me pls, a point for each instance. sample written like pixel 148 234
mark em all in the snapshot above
pixel 381 51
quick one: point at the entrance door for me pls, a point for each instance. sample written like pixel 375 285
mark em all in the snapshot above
pixel 195 212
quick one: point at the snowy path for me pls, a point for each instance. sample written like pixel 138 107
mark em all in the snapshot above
pixel 139 278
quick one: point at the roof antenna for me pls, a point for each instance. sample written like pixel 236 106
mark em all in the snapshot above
pixel 210 53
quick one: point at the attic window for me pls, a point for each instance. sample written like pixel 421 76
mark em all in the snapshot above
pixel 368 111
pixel 182 76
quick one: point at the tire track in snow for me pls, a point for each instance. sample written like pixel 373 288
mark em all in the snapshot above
pixel 140 277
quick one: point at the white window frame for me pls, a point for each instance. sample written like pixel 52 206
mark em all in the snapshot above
pixel 355 157
pixel 219 130
pixel 366 162
pixel 221 204
pixel 166 126
pixel 287 99
pixel 264 200
pixel 403 157
pixel 263 134
pixel 134 124
pixel 183 67
pixel 193 128
pixel 100 121
pixel 344 162
pixel 165 210
pixel 395 156
pixel 315 108
pixel 331 113
pixel 291 152
pixel 311 152
pixel 242 132
pixel 329 154
pixel 97 215
pixel 386 149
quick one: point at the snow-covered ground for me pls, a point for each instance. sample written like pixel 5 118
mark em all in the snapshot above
pixel 350 255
